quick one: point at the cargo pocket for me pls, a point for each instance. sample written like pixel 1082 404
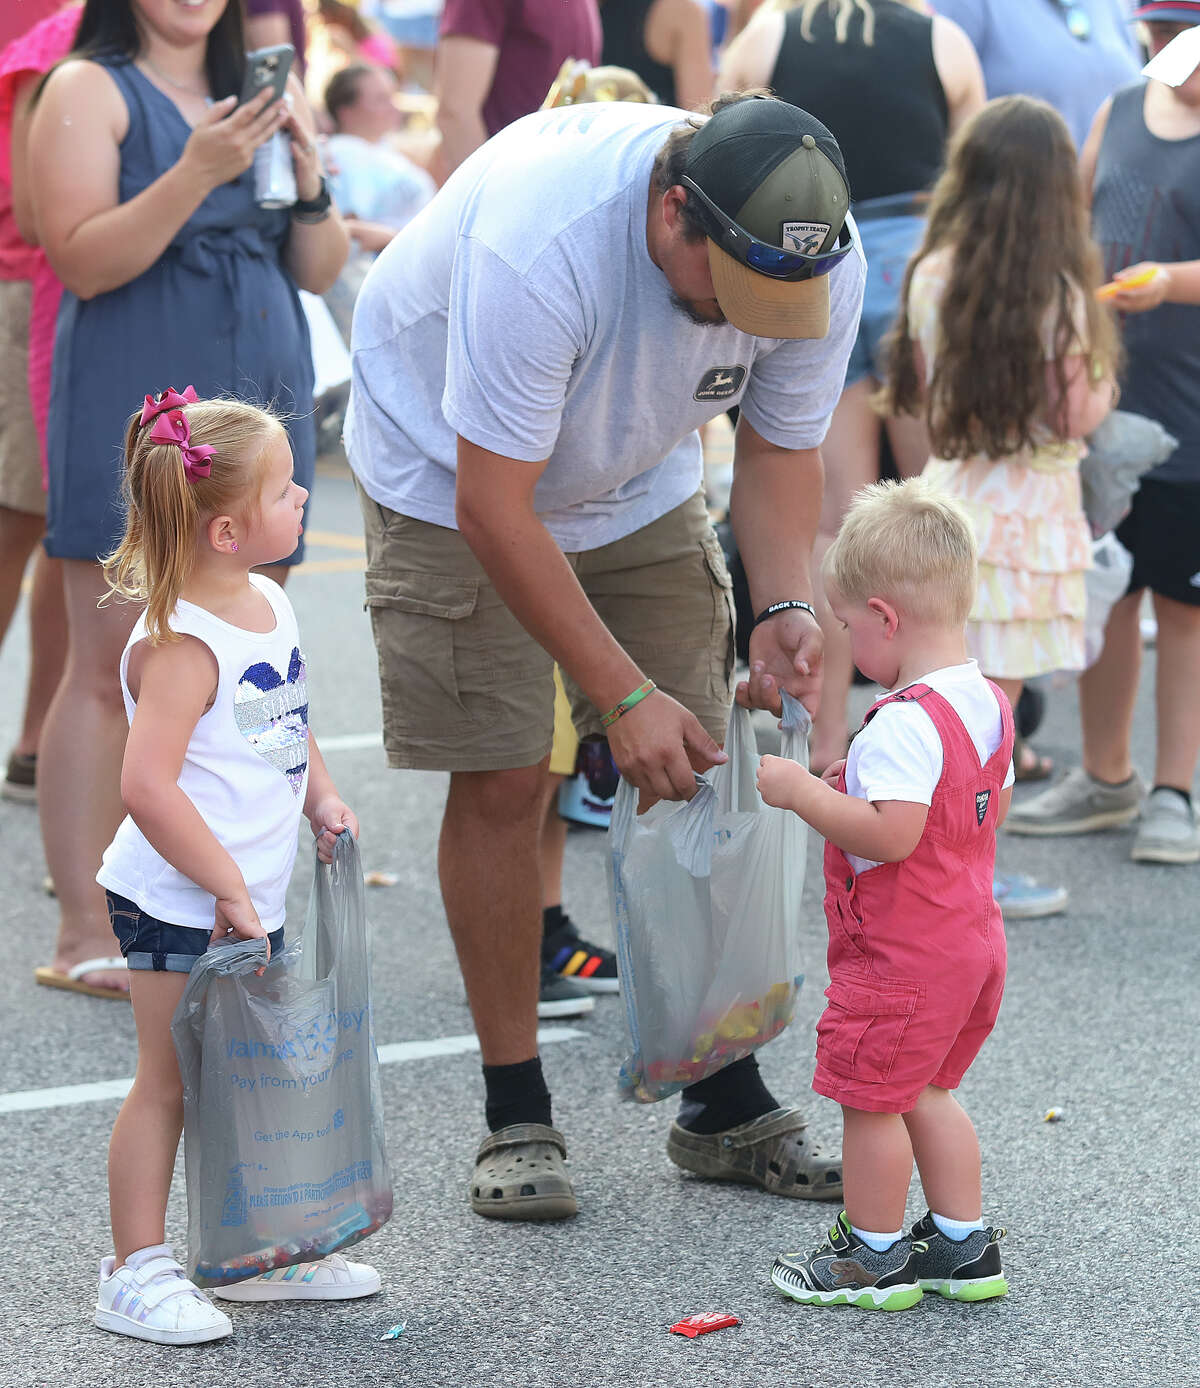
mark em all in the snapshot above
pixel 417 619
pixel 721 636
pixel 859 1033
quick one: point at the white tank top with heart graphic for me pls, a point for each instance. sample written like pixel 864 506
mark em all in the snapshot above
pixel 246 768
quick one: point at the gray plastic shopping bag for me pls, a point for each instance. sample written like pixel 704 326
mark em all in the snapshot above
pixel 283 1124
pixel 1120 450
pixel 706 906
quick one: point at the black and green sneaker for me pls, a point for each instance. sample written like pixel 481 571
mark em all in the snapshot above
pixel 966 1270
pixel 845 1272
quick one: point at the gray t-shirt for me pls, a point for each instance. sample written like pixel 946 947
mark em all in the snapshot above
pixel 521 309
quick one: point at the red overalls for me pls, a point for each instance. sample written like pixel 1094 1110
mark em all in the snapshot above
pixel 916 948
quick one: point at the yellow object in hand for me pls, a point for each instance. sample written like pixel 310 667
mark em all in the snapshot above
pixel 1138 281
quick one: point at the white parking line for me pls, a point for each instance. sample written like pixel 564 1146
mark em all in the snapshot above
pixel 25 1100
pixel 351 742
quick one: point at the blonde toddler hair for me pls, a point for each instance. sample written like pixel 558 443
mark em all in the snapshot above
pixel 165 511
pixel 911 544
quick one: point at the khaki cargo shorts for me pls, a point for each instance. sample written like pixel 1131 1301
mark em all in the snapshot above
pixel 466 688
pixel 20 455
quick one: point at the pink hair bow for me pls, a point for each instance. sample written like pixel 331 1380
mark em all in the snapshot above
pixel 171 426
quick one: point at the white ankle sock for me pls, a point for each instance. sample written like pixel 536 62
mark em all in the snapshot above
pixel 879 1242
pixel 956 1229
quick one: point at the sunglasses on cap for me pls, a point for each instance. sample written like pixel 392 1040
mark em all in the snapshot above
pixel 764 258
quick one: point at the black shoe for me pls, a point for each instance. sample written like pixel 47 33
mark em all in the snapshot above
pixel 966 1270
pixel 845 1272
pixel 559 997
pixel 590 966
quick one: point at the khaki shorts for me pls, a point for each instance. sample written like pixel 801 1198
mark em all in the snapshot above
pixel 20 458
pixel 466 688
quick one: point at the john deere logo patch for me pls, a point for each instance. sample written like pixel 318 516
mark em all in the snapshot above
pixel 981 803
pixel 720 383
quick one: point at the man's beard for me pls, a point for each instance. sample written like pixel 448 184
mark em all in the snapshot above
pixel 689 309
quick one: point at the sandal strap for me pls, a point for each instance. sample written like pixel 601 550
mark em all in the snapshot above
pixel 517 1134
pixel 778 1124
pixel 113 964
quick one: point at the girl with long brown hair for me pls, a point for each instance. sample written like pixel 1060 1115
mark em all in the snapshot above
pixel 1003 349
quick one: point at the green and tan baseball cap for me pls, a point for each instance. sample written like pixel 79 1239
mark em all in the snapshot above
pixel 775 194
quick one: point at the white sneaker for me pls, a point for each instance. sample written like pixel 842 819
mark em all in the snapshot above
pixel 150 1298
pixel 1167 831
pixel 331 1279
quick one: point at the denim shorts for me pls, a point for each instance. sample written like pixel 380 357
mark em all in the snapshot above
pixel 888 243
pixel 147 943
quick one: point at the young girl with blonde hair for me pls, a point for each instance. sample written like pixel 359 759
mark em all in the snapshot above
pixel 218 768
pixel 1003 349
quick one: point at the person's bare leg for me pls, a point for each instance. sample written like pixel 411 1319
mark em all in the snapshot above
pixel 877 1160
pixel 1011 690
pixel 491 889
pixel 851 454
pixel 79 768
pixel 553 845
pixel 19 532
pixel 47 648
pixel 947 1154
pixel 909 440
pixel 141 1152
pixel 1176 681
pixel 1108 692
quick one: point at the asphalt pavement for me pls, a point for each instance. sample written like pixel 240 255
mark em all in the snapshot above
pixel 1102 1208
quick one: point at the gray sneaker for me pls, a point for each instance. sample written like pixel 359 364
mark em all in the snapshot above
pixel 1167 832
pixel 1078 804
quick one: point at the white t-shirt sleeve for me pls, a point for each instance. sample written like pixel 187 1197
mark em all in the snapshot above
pixel 508 359
pixel 794 387
pixel 897 756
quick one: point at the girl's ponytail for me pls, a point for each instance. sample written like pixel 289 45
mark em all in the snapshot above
pixel 186 461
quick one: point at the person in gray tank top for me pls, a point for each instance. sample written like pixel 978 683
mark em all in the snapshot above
pixel 1142 164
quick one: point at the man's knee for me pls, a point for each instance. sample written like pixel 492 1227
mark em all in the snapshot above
pixel 510 797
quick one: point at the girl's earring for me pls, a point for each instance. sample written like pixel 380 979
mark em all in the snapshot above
pixel 233 547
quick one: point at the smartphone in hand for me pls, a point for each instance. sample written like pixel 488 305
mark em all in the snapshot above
pixel 267 67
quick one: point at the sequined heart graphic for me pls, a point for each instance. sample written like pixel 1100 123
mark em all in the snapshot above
pixel 272 715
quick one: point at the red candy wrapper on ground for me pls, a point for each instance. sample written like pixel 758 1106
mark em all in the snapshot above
pixel 704 1323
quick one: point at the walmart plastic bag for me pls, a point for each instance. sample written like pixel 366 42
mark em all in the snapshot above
pixel 1120 450
pixel 1107 582
pixel 283 1125
pixel 706 904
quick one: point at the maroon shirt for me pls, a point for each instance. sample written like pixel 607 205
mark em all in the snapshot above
pixel 534 37
pixel 294 12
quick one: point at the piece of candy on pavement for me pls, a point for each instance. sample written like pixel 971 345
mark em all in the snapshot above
pixel 1053 1115
pixel 704 1323
pixel 376 878
pixel 395 1332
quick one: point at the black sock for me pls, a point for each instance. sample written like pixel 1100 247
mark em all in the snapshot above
pixel 553 918
pixel 1183 794
pixel 732 1096
pixel 516 1094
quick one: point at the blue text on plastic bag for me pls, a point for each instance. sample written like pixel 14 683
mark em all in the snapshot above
pixel 283 1123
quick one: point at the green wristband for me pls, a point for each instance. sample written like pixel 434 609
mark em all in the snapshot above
pixel 628 702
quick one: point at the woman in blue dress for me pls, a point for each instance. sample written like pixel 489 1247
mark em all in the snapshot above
pixel 144 199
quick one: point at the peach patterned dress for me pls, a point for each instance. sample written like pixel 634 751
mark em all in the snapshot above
pixel 1027 510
